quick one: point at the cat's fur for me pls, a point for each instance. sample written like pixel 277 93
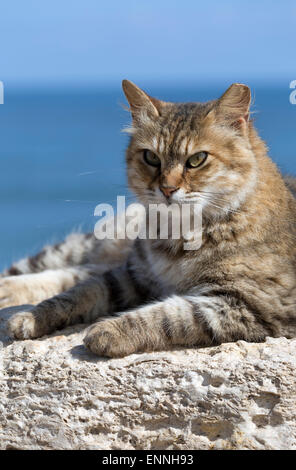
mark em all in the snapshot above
pixel 241 283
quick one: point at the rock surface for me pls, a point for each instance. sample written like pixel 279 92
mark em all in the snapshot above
pixel 56 395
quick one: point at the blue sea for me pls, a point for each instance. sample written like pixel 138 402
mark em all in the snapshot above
pixel 62 153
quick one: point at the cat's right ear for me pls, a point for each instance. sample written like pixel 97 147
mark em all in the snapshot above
pixel 141 104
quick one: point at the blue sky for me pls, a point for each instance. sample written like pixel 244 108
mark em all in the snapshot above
pixel 99 41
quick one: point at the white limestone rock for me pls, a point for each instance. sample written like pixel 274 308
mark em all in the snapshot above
pixel 56 395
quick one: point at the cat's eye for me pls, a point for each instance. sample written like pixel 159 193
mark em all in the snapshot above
pixel 197 159
pixel 151 158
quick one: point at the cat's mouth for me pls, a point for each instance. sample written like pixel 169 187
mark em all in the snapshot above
pixel 178 197
pixel 214 203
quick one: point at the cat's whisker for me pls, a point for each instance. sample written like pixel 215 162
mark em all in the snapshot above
pixel 210 202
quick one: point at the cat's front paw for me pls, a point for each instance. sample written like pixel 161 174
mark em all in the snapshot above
pixel 22 326
pixel 106 339
pixel 36 322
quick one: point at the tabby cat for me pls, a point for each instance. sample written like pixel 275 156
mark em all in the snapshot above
pixel 152 294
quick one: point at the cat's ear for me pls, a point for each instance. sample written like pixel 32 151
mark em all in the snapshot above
pixel 141 103
pixel 235 102
pixel 233 108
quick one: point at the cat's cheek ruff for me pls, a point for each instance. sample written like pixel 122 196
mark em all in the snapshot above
pixel 246 190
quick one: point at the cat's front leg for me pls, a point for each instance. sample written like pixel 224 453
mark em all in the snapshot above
pixel 77 305
pixel 190 320
pixel 98 296
pixel 158 326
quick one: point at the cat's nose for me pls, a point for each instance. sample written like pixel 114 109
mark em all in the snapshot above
pixel 168 190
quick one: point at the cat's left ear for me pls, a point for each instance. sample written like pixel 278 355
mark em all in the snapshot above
pixel 140 103
pixel 233 108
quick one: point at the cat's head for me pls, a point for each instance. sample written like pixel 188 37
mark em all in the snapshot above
pixel 191 152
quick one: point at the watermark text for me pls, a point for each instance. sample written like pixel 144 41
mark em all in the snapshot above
pixel 153 222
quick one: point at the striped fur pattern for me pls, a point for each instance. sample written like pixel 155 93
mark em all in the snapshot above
pixel 151 294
